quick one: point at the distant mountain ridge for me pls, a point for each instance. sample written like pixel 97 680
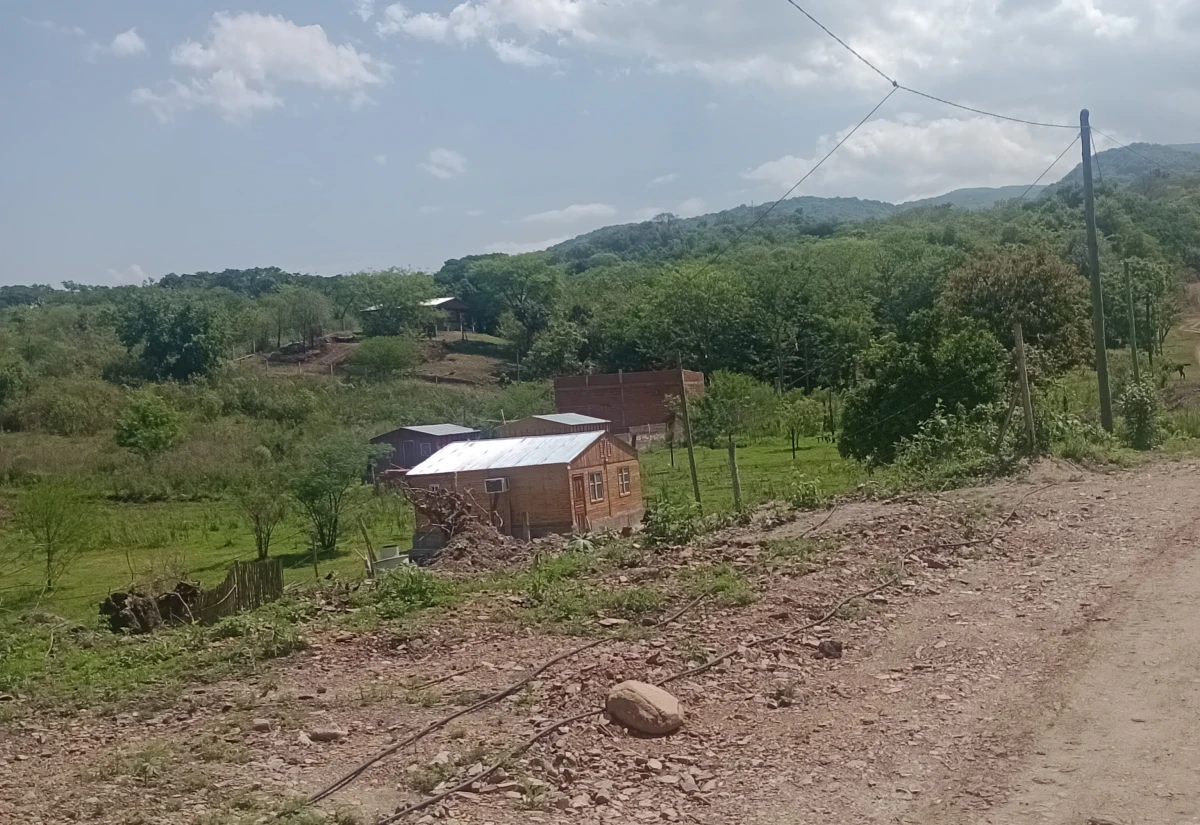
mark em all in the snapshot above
pixel 668 236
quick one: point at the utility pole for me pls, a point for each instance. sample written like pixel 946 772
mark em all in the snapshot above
pixel 1132 324
pixel 1093 249
pixel 1023 378
pixel 687 426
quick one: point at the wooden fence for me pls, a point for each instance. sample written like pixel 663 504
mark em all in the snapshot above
pixel 249 585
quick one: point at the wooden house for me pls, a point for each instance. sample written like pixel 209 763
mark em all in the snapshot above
pixel 412 445
pixel 555 424
pixel 537 485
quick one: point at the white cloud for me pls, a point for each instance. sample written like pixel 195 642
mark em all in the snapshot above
pixel 691 207
pixel 668 178
pixel 573 213
pixel 907 157
pixel 57 28
pixel 365 9
pixel 245 59
pixel 444 163
pixel 519 247
pixel 380 158
pixel 131 275
pixel 517 55
pixel 127 44
pixel 474 213
pixel 431 210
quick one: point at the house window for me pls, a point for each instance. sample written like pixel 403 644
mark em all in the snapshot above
pixel 426 449
pixel 624 482
pixel 435 488
pixel 596 486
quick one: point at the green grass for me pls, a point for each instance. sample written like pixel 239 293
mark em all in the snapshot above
pixel 170 540
pixel 766 469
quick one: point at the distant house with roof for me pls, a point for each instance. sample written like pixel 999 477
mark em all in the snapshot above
pixel 457 313
pixel 537 485
pixel 553 424
pixel 412 445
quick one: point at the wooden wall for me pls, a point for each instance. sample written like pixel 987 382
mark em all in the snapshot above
pixel 609 456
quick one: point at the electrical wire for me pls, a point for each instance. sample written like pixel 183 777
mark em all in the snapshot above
pixel 897 85
pixel 1051 166
pixel 1096 160
pixel 762 215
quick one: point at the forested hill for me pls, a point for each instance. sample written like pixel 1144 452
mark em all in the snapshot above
pixel 1124 166
pixel 668 237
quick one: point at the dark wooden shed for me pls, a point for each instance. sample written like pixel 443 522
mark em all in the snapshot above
pixel 553 424
pixel 412 445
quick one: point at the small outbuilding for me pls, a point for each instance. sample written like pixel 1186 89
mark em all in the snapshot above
pixel 554 424
pixel 412 445
pixel 535 486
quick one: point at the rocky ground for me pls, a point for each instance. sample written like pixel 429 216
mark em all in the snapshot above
pixel 1039 673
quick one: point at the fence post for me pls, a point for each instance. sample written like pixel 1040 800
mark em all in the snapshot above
pixel 1023 378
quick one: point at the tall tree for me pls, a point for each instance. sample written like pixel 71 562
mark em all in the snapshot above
pixel 173 337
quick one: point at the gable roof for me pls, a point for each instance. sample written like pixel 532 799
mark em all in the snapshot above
pixel 572 419
pixel 503 453
pixel 433 430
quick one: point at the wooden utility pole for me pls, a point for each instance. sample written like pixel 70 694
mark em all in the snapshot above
pixel 1132 325
pixel 687 427
pixel 1023 379
pixel 1093 249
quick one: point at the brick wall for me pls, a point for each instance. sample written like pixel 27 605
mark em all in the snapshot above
pixel 630 399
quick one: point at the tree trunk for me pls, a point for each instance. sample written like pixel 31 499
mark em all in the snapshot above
pixel 733 472
pixel 793 432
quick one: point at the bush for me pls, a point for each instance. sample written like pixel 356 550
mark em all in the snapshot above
pixel 1140 408
pixel 384 359
pixel 803 493
pixel 65 406
pixel 671 520
pixel 952 448
pixel 148 427
pixel 408 589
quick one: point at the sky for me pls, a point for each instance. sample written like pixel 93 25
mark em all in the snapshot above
pixel 143 137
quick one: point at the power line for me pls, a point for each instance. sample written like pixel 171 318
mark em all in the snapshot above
pixel 844 44
pixel 796 186
pixel 990 114
pixel 1096 159
pixel 897 85
pixel 1048 168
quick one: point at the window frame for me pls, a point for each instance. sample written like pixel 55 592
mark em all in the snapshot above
pixel 425 449
pixel 624 482
pixel 595 486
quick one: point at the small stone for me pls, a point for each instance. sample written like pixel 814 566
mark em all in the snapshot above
pixel 330 734
pixel 443 758
pixel 303 739
pixel 580 801
pixel 611 622
pixel 261 725
pixel 688 784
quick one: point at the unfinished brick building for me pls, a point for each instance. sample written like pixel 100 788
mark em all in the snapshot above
pixel 635 402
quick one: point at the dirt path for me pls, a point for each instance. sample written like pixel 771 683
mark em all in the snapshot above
pixel 1125 747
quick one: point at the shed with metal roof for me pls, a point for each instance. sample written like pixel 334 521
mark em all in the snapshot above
pixel 534 486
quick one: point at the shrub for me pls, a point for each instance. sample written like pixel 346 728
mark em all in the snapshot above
pixel 951 448
pixel 671 520
pixel 803 493
pixel 148 427
pixel 384 358
pixel 409 588
pixel 65 406
pixel 1140 408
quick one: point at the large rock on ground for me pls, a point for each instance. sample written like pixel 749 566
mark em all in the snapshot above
pixel 644 708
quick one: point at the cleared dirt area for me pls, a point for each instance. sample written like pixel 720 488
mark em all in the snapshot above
pixel 1044 672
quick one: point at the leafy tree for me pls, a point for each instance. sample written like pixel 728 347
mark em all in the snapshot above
pixel 322 482
pixel 394 303
pixel 309 313
pixel 733 405
pixel 1034 287
pixel 265 504
pixel 699 315
pixel 383 359
pixel 555 351
pixel 908 379
pixel 58 521
pixel 801 417
pixel 528 286
pixel 148 426
pixel 174 337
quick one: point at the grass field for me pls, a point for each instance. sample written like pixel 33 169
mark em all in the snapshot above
pixel 766 469
pixel 169 541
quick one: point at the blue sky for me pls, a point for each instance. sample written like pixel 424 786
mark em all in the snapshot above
pixel 143 137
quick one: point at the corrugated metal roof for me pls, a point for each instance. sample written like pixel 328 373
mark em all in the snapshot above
pixel 502 453
pixel 440 429
pixel 437 302
pixel 572 419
